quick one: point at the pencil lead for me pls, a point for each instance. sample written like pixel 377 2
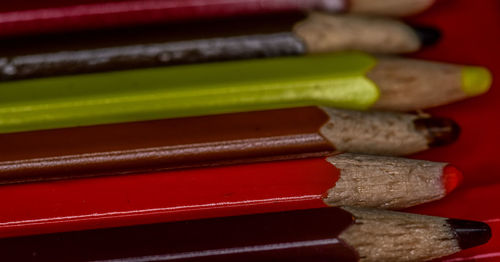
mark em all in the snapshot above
pixel 475 80
pixel 452 177
pixel 427 35
pixel 470 233
pixel 440 131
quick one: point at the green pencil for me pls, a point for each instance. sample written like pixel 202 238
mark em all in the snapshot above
pixel 349 80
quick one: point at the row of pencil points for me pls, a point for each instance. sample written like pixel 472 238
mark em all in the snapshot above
pixel 208 124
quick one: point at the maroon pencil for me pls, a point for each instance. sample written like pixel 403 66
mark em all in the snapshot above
pixel 328 234
pixel 34 17
pixel 260 136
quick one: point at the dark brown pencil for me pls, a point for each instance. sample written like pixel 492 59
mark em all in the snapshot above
pixel 244 38
pixel 215 140
pixel 328 234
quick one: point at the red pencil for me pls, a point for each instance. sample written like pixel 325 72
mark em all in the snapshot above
pixel 34 17
pixel 213 192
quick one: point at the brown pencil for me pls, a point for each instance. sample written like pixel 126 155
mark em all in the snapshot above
pixel 215 140
pixel 314 235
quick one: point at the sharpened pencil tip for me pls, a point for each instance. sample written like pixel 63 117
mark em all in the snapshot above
pixel 452 177
pixel 427 35
pixel 470 233
pixel 475 80
pixel 439 131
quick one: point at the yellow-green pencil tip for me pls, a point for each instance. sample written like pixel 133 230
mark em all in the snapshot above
pixel 475 80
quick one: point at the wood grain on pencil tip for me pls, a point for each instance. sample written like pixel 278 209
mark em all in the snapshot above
pixel 328 234
pixel 215 140
pixel 348 80
pixel 433 236
pixel 230 39
pixel 425 83
pixel 388 182
pixel 31 17
pixel 326 33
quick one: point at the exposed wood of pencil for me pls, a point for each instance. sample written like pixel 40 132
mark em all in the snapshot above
pixel 386 133
pixel 340 234
pixel 328 33
pixel 214 140
pixel 244 38
pixel 407 84
pixel 394 236
pixel 389 182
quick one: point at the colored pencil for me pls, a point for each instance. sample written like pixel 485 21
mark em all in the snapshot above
pixel 327 234
pixel 243 38
pixel 344 179
pixel 471 203
pixel 214 140
pixel 34 17
pixel 347 80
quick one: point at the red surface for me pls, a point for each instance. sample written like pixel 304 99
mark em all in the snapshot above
pixel 37 16
pixel 126 200
pixel 471 36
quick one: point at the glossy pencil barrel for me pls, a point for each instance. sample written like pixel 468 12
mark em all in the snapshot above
pixel 32 17
pixel 187 43
pixel 273 237
pixel 334 80
pixel 164 144
pixel 329 234
pixel 344 179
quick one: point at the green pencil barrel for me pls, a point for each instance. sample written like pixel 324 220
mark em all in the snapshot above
pixel 332 80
